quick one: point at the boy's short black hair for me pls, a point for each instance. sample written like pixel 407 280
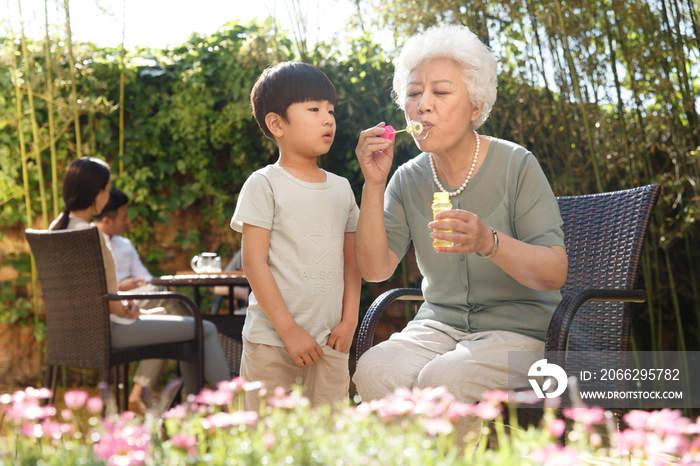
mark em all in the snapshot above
pixel 285 84
pixel 116 199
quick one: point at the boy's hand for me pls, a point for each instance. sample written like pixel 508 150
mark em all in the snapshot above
pixel 341 337
pixel 302 347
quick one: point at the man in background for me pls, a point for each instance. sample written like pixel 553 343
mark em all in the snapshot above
pixel 133 276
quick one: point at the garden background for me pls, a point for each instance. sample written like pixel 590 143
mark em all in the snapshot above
pixel 604 93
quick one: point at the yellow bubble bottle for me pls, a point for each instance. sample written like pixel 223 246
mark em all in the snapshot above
pixel 441 203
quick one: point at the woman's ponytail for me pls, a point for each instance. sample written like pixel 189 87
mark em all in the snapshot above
pixel 63 224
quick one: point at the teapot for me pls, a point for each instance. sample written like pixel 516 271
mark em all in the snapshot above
pixel 206 262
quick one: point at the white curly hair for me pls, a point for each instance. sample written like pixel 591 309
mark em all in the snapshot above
pixel 459 44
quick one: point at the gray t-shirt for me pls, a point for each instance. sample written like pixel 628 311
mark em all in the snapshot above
pixel 511 194
pixel 307 223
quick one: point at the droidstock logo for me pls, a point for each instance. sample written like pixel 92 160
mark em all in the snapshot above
pixel 547 371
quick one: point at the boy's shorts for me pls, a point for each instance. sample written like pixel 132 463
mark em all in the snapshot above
pixel 325 381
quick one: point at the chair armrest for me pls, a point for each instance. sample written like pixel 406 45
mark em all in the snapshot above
pixel 365 337
pixel 199 332
pixel 559 326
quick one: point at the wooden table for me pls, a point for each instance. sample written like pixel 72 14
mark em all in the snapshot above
pixel 195 280
pixel 229 326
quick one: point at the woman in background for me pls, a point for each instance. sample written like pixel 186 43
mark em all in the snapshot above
pixel 86 188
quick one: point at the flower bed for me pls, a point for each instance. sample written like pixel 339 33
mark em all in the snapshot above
pixel 406 428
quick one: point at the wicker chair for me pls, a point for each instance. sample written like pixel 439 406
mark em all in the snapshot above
pixel 75 295
pixel 604 236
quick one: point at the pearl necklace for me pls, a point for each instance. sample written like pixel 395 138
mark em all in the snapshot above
pixel 469 176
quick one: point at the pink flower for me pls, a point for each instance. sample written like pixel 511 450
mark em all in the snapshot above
pixel 214 397
pixel 439 394
pixel 495 396
pixel 75 399
pixel 67 414
pixel 486 411
pixel 694 428
pixel 268 441
pixel 556 427
pixel 178 412
pixel 56 430
pixel 95 405
pixel 185 442
pixel 31 430
pixel 692 456
pixel 38 393
pixel 668 445
pixel 429 408
pixel 233 419
pixel 239 384
pixel 28 410
pixel 281 400
pixel 556 455
pixel 584 415
pixel 124 445
pixel 637 419
pixel 50 429
pixel 664 422
pixel 395 407
pixel 631 440
pixel 668 422
pixel 436 426
pixel 459 410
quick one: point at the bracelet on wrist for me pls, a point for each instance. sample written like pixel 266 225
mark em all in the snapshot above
pixel 495 246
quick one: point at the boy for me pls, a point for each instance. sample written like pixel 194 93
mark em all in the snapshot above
pixel 298 224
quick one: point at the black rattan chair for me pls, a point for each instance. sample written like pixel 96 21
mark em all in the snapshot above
pixel 604 237
pixel 72 275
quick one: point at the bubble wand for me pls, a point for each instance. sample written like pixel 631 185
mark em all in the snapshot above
pixel 415 128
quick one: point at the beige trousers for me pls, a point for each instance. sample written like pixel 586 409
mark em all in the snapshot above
pixel 428 353
pixel 325 381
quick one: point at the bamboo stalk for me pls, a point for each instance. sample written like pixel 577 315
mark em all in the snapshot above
pixel 694 22
pixel 649 285
pixel 35 126
pixel 685 81
pixel 25 182
pixel 674 300
pixel 693 276
pixel 20 132
pixel 577 90
pixel 73 91
pixel 121 95
pixel 620 103
pixel 646 161
pixel 49 102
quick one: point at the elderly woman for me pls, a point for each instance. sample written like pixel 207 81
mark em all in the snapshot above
pixel 496 289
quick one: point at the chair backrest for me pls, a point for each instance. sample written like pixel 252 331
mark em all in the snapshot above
pixel 604 237
pixel 72 275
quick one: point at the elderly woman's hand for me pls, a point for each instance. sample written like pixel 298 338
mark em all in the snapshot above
pixel 469 233
pixel 375 154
